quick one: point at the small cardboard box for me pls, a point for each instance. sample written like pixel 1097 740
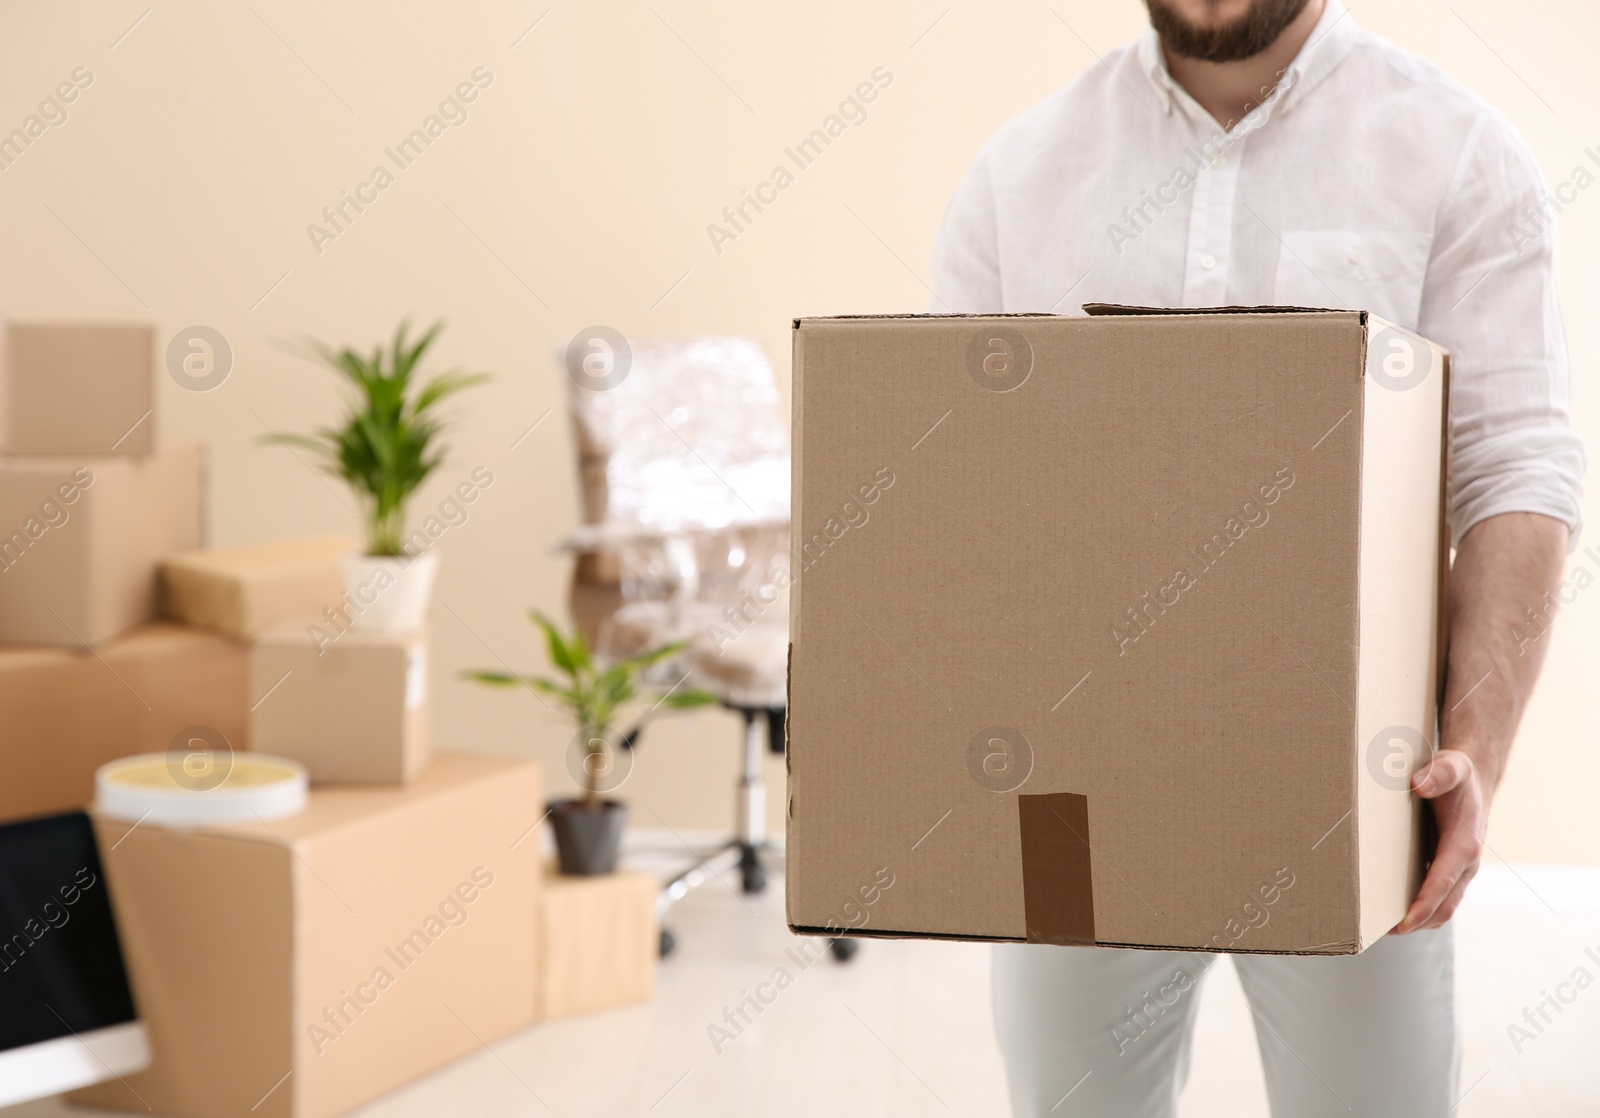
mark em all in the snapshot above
pixel 298 968
pixel 1120 629
pixel 69 711
pixel 79 388
pixel 79 541
pixel 599 940
pixel 245 590
pixel 353 709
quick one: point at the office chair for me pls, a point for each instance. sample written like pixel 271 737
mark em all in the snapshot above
pixel 683 466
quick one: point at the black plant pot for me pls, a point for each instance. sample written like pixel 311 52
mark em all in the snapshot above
pixel 587 841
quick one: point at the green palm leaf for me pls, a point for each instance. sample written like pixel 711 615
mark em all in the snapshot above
pixel 387 445
pixel 596 696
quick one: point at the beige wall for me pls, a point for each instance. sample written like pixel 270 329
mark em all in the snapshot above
pixel 578 192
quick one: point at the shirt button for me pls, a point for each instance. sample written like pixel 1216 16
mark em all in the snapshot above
pixel 1355 256
pixel 1208 262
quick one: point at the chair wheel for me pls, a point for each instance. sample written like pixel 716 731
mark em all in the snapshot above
pixel 668 942
pixel 754 879
pixel 844 949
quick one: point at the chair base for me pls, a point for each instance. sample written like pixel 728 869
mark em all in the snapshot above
pixel 748 852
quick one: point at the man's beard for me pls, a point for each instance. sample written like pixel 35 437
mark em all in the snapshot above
pixel 1246 36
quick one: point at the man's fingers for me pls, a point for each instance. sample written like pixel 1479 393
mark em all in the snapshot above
pixel 1454 863
pixel 1447 908
pixel 1449 769
pixel 1438 885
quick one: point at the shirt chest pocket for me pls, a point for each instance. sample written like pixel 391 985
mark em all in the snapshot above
pixel 1380 272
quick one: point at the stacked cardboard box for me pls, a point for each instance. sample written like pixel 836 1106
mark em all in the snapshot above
pixel 85 389
pixel 88 505
pixel 298 969
pixel 352 708
pixel 70 711
pixel 301 967
pixel 87 502
pixel 348 703
pixel 244 591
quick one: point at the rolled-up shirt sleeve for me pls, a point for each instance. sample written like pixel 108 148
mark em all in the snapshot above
pixel 1491 299
pixel 966 267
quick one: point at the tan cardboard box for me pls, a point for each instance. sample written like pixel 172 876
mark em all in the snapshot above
pixel 300 968
pixel 79 541
pixel 243 591
pixel 354 709
pixel 69 711
pixel 1118 629
pixel 79 388
pixel 599 940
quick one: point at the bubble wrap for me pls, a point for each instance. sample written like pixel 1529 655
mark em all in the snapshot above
pixel 691 452
pixel 694 438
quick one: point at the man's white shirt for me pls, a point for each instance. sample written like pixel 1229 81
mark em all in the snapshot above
pixel 1368 180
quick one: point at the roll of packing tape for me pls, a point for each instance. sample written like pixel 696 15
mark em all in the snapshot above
pixel 153 787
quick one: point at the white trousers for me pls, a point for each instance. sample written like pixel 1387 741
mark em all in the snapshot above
pixel 1106 1031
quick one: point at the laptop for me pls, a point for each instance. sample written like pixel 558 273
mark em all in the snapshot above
pixel 67 1017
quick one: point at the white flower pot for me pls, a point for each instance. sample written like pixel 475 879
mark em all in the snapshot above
pixel 389 594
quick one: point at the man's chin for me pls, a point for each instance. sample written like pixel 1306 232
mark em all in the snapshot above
pixel 1244 36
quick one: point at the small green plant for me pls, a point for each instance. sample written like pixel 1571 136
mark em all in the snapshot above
pixel 386 446
pixel 595 695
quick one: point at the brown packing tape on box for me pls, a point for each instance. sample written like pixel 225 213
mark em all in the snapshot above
pixel 80 540
pixel 67 712
pixel 245 590
pixel 78 388
pixel 1057 879
pixel 302 968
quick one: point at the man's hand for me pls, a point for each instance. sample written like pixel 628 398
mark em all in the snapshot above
pixel 1461 808
pixel 1505 566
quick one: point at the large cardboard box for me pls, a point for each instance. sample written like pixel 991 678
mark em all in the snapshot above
pixel 243 591
pixel 79 388
pixel 299 968
pixel 1120 629
pixel 353 708
pixel 599 941
pixel 69 711
pixel 79 541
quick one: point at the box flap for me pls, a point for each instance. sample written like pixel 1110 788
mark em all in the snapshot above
pixel 823 318
pixel 1102 310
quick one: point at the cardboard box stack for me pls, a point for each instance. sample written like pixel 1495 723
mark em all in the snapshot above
pixel 293 968
pixel 1122 629
pixel 299 967
pixel 88 503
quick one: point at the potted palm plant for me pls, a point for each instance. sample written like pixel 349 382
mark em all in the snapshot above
pixel 589 829
pixel 385 447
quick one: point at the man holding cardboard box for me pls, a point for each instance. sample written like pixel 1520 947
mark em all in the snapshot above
pixel 1249 152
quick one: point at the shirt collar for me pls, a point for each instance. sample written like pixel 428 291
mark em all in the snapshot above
pixel 1330 40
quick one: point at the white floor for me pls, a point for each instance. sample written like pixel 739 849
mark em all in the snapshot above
pixel 904 1029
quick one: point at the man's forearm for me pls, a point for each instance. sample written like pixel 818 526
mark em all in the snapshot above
pixel 1505 566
